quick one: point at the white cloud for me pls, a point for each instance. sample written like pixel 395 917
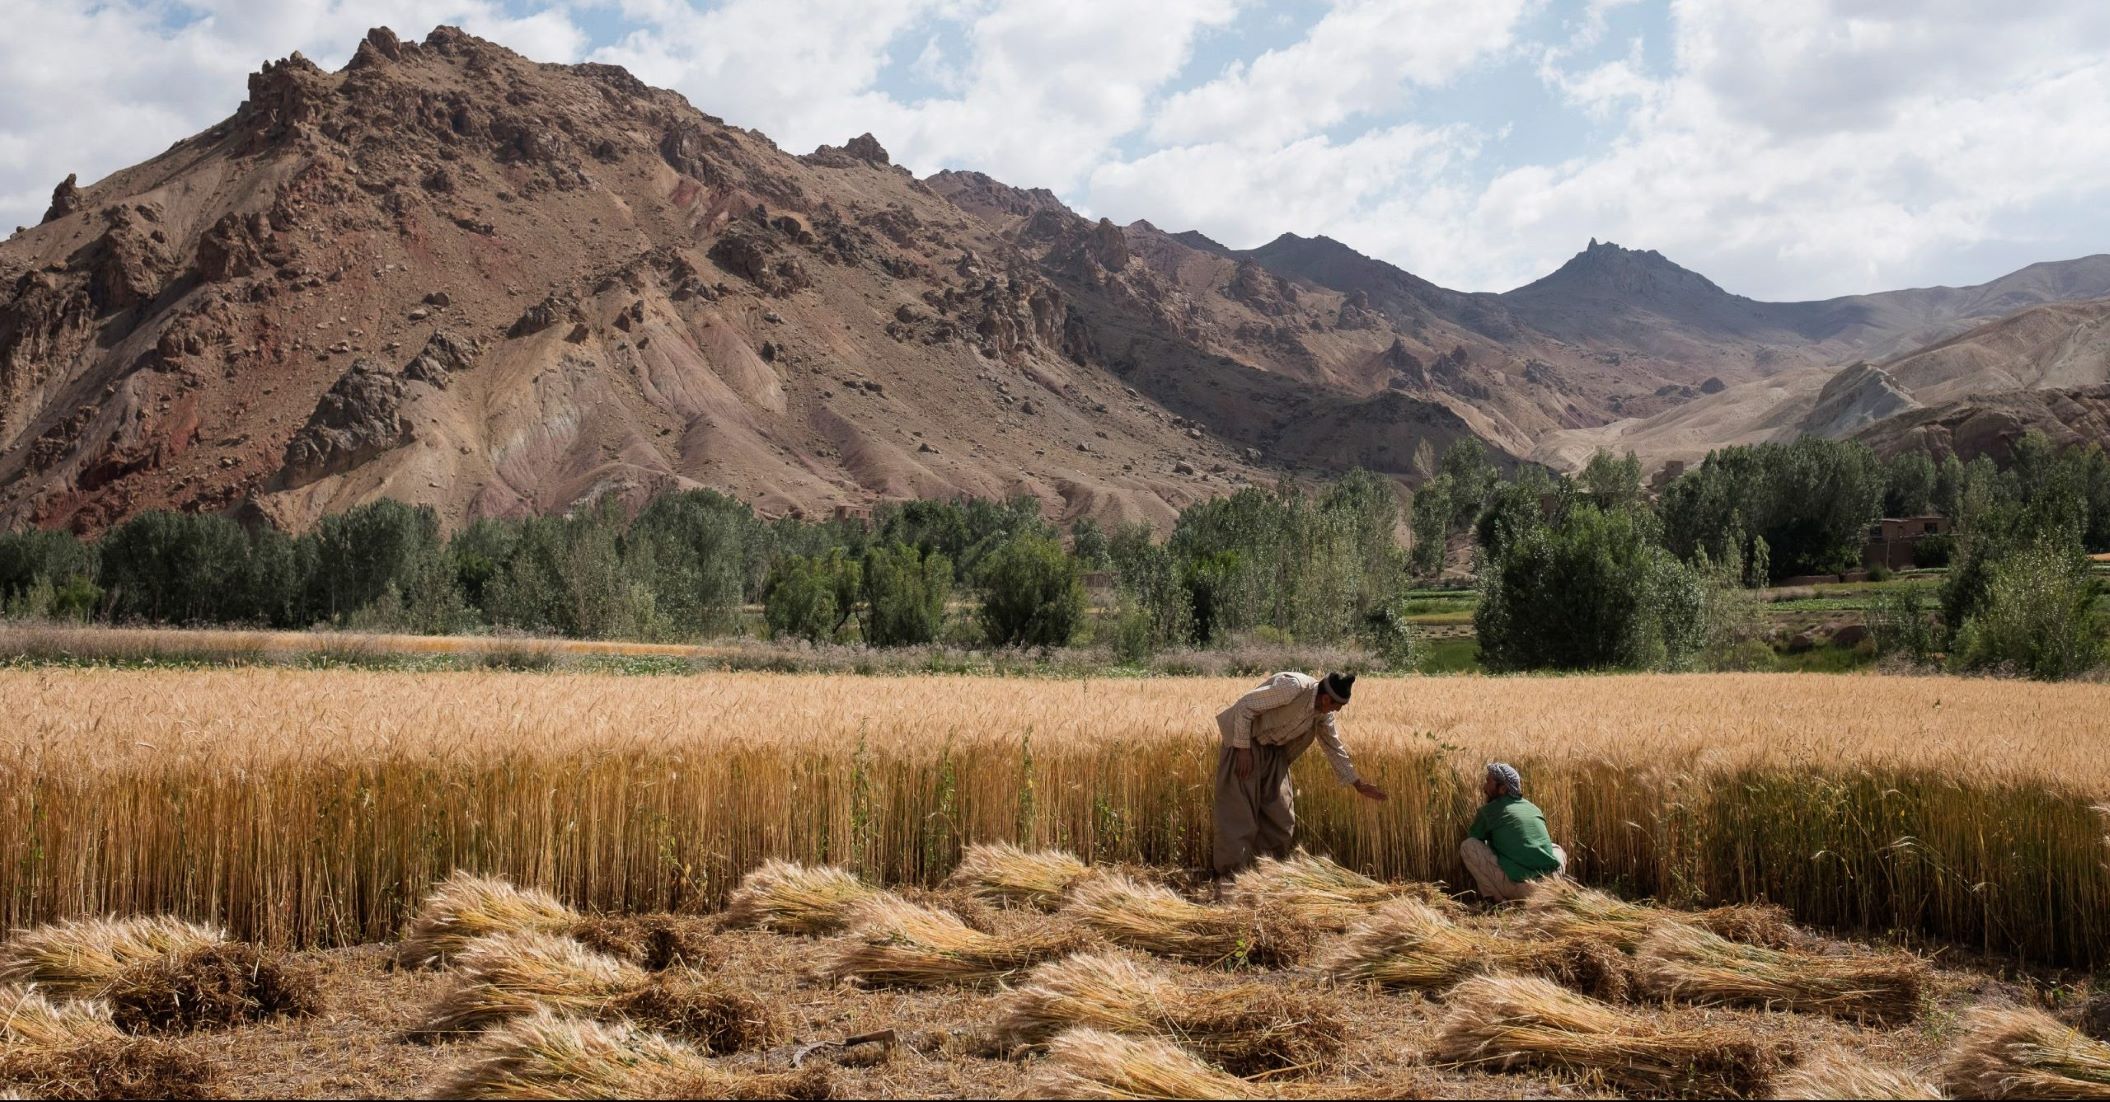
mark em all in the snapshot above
pixel 1786 148
pixel 1357 59
pixel 91 89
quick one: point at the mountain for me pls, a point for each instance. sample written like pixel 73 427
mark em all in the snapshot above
pixel 452 276
pixel 1996 366
pixel 449 275
pixel 1990 424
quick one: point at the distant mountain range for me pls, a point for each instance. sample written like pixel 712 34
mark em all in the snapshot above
pixel 449 275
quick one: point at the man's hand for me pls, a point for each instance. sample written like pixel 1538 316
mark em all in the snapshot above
pixel 1242 762
pixel 1370 791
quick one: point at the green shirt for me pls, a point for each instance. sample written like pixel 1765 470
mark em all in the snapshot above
pixel 1515 829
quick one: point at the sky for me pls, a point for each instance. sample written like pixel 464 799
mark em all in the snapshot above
pixel 1787 149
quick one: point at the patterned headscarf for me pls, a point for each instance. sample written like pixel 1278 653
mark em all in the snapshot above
pixel 1511 781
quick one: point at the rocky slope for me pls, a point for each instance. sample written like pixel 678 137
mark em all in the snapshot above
pixel 452 276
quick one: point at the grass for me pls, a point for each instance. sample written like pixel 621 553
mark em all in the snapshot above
pixel 1691 965
pixel 1156 920
pixel 1506 1022
pixel 317 807
pixel 1246 1028
pixel 2014 1052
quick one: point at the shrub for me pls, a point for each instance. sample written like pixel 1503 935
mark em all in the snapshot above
pixel 1031 594
pixel 2037 616
pixel 1900 625
pixel 1933 552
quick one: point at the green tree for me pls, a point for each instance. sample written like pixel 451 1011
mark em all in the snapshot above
pixel 1908 485
pixel 812 597
pixel 1090 543
pixel 366 551
pixel 1473 478
pixel 1430 521
pixel 174 568
pixel 1612 483
pixel 905 595
pixel 1032 594
pixel 1593 591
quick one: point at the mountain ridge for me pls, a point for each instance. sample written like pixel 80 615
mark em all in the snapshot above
pixel 448 274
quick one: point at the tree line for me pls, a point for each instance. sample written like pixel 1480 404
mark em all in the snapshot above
pixel 1572 573
pixel 1318 569
pixel 1591 573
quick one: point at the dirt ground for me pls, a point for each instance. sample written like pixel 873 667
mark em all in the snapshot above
pixel 358 1048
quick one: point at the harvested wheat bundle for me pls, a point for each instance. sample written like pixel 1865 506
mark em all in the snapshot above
pixel 654 942
pixel 1092 1063
pixel 465 907
pixel 77 959
pixel 545 1056
pixel 2013 1052
pixel 705 1013
pixel 513 974
pixel 1839 1075
pixel 1321 892
pixel 894 942
pixel 1155 920
pixel 1003 873
pixel 1690 964
pixel 507 976
pixel 1517 1021
pixel 31 1023
pixel 1246 1029
pixel 216 986
pixel 1407 943
pixel 1561 906
pixel 112 1067
pixel 797 899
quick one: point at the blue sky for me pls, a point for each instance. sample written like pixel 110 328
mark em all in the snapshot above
pixel 1785 148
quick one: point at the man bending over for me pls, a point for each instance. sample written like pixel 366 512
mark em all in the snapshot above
pixel 1264 733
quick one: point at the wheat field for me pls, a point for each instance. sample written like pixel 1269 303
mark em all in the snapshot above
pixel 312 807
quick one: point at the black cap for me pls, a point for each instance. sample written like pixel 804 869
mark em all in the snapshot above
pixel 1339 686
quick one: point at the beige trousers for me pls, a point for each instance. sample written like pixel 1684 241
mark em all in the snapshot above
pixel 1493 883
pixel 1256 817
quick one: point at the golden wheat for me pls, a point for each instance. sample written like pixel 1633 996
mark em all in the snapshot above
pixel 894 942
pixel 2015 1052
pixel 1091 1063
pixel 546 1056
pixel 315 807
pixel 465 907
pixel 791 898
pixel 1246 1028
pixel 1408 943
pixel 1003 873
pixel 1841 1075
pixel 33 1024
pixel 1513 1021
pixel 1690 964
pixel 81 957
